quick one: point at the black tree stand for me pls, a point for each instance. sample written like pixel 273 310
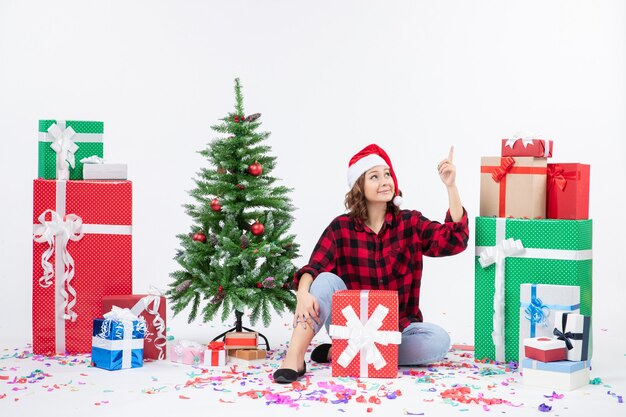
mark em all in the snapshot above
pixel 239 327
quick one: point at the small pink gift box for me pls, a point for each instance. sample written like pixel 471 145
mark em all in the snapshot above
pixel 187 352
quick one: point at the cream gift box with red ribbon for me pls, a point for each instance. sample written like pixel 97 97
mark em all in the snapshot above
pixel 513 187
pixel 150 307
pixel 82 252
pixel 241 340
pixel 365 334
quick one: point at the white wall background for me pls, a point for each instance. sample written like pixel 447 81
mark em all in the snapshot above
pixel 329 77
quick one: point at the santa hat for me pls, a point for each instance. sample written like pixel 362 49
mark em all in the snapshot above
pixel 368 158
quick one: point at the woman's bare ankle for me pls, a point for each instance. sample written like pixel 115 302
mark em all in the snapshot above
pixel 293 360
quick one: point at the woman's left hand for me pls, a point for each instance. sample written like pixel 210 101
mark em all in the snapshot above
pixel 447 170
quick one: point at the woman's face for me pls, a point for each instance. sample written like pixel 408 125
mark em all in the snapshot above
pixel 378 186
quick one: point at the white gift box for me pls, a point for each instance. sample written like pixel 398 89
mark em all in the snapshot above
pixel 105 171
pixel 562 375
pixel 214 357
pixel 539 304
pixel 577 329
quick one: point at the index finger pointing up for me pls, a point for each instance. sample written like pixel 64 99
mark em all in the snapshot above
pixel 451 153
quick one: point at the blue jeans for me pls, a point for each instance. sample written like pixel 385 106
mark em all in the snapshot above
pixel 422 343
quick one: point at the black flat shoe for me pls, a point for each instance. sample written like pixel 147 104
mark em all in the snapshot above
pixel 287 376
pixel 320 353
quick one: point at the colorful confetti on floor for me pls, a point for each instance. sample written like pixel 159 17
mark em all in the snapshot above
pixel 459 384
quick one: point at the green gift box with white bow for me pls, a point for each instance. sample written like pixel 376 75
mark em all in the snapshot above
pixel 511 252
pixel 63 143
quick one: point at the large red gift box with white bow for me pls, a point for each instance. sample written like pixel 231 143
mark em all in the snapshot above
pixel 82 251
pixel 365 334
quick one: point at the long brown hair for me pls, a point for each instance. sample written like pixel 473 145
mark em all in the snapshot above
pixel 356 203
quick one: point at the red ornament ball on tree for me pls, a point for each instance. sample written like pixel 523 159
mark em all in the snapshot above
pixel 236 119
pixel 255 169
pixel 199 237
pixel 215 205
pixel 257 228
pixel 259 285
pixel 220 288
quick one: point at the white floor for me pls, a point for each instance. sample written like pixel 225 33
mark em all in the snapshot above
pixel 68 386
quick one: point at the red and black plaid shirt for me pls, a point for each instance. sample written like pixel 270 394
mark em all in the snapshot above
pixel 389 260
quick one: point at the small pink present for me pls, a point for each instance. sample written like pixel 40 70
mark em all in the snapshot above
pixel 187 352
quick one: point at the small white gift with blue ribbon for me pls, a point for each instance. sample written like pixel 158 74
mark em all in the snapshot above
pixel 117 341
pixel 540 304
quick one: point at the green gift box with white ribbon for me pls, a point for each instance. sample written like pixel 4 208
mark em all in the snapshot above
pixel 63 143
pixel 510 252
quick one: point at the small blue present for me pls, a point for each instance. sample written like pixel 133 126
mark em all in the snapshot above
pixel 560 375
pixel 117 341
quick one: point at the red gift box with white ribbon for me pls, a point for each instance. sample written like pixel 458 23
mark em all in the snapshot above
pixel 150 307
pixel 365 334
pixel 82 251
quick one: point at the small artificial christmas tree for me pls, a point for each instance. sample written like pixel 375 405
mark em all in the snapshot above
pixel 239 253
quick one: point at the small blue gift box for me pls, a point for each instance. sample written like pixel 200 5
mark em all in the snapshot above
pixel 561 375
pixel 117 344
